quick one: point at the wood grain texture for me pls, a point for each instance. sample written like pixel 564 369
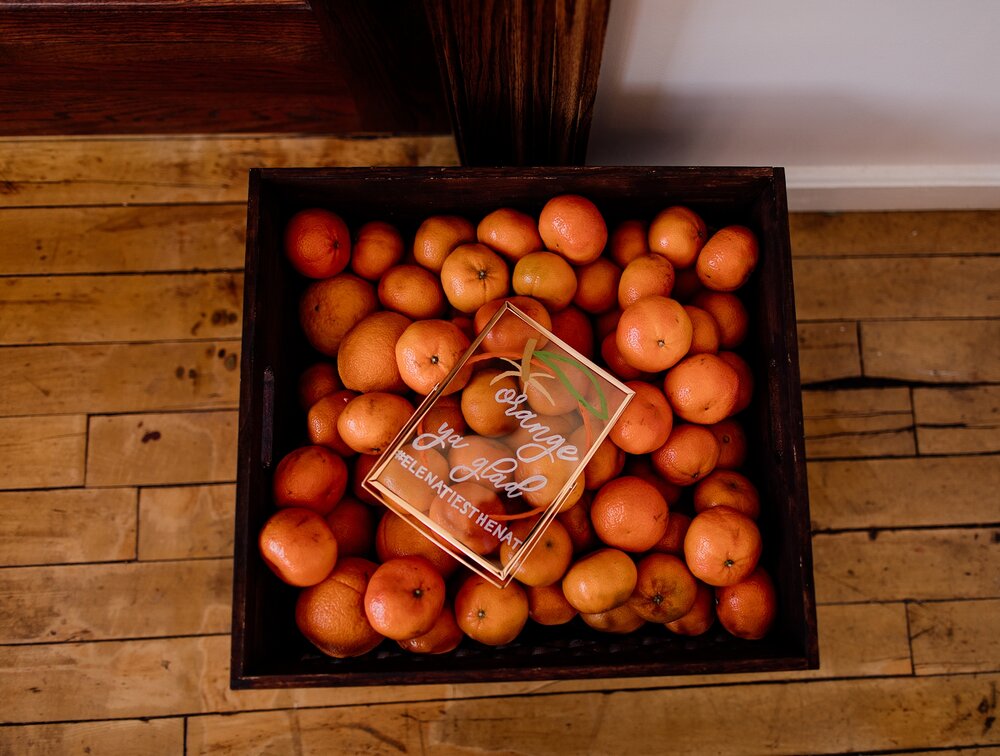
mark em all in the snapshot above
pixel 932 351
pixel 150 737
pixel 520 76
pixel 46 241
pixel 938 287
pixel 162 449
pixel 67 525
pixel 886 493
pixel 955 636
pixel 119 377
pixel 75 309
pixel 96 171
pixel 828 352
pixel 894 565
pixel 906 234
pixel 957 420
pixel 42 452
pixel 858 423
pixel 186 522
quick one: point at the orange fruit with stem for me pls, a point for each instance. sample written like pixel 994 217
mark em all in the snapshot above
pixel 653 334
pixel 549 558
pixel 732 444
pixel 600 581
pixel 629 240
pixel 748 608
pixel 472 275
pixel 722 546
pixel 488 614
pixel 312 477
pixel 427 351
pixel 510 333
pixel 700 617
pixel 646 422
pixel 729 312
pixel 548 606
pixel 673 540
pixel 727 488
pixel 395 537
pixel 298 546
pixel 353 527
pixel 678 233
pixel 331 614
pixel 597 286
pixel 665 589
pixel 437 237
pixel 744 394
pixel 321 422
pixel 728 258
pixel 366 360
pixel 690 453
pixel 702 389
pixel 573 226
pixel 444 635
pixel 510 232
pixel 704 331
pixel 547 277
pixel 370 422
pixel 575 328
pixel 317 381
pixel 412 291
pixel 404 597
pixel 378 246
pixel 620 620
pixel 460 516
pixel 333 306
pixel 317 243
pixel 646 275
pixel 629 514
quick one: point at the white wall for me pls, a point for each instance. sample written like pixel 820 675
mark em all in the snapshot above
pixel 867 103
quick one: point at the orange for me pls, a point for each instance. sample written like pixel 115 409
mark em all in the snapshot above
pixel 704 331
pixel 377 247
pixel 606 463
pixel 556 474
pixel 427 351
pixel 510 333
pixel 370 422
pixel 702 389
pixel 678 233
pixel 353 526
pixel 615 361
pixel 729 313
pixel 646 422
pixel 548 606
pixel 653 334
pixel 701 616
pixel 446 411
pixel 547 277
pixel 745 393
pixel 476 453
pixel 600 581
pixel 316 382
pixel 549 396
pixel 573 226
pixel 607 322
pixel 690 453
pixel 629 240
pixel 732 444
pixel 622 619
pixel 641 467
pixel 331 614
pixel 490 615
pixel 727 488
pixel 404 597
pixel 576 520
pixel 363 463
pixel 728 258
pixel 317 243
pixel 673 540
pixel 575 328
pixel 312 477
pixel 479 405
pixel 395 537
pixel 413 481
pixel 541 434
pixel 722 546
pixel 645 276
pixel 444 636
pixel 629 514
pixel 332 307
pixel 472 275
pixel 298 546
pixel 748 608
pixel 665 589
pixel 597 286
pixel 464 512
pixel 437 237
pixel 464 324
pixel 686 285
pixel 510 232
pixel 321 422
pixel 412 291
pixel 549 558
pixel 366 360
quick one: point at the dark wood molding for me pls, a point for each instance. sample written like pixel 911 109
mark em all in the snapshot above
pixel 520 76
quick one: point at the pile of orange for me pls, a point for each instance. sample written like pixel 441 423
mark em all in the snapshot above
pixel 661 527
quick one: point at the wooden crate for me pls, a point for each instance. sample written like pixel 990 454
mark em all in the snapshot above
pixel 267 649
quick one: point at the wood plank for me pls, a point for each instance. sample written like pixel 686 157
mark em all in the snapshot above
pixel 102 601
pixel 96 378
pixel 149 737
pixel 46 241
pixel 966 232
pixel 828 351
pixel 857 715
pixel 184 169
pixel 866 288
pixel 933 351
pixel 858 423
pixel 955 636
pixel 67 525
pixel 162 449
pixel 160 307
pixel 887 493
pixel 187 522
pixel 957 420
pixel 894 565
pixel 42 452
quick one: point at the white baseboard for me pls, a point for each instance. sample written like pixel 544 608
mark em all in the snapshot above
pixel 893 187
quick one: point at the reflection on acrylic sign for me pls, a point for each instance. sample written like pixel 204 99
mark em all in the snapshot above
pixel 498 448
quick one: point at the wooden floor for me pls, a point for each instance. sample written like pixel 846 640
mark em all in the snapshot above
pixel 120 318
